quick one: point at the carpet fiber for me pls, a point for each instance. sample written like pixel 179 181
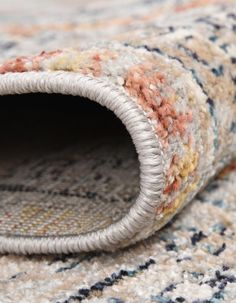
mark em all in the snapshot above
pixel 146 123
pixel 167 71
pixel 190 260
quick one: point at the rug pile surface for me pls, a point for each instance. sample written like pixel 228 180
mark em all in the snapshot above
pixel 75 183
pixel 191 260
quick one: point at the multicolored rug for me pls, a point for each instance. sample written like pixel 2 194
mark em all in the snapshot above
pixel 79 179
pixel 190 260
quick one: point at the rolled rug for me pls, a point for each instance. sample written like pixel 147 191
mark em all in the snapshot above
pixel 167 70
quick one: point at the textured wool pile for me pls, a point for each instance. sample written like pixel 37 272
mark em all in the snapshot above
pixel 190 260
pixel 75 180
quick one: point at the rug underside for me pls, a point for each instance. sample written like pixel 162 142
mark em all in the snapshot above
pixel 58 175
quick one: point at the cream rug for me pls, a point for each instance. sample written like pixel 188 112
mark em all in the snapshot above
pixel 190 260
pixel 78 179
